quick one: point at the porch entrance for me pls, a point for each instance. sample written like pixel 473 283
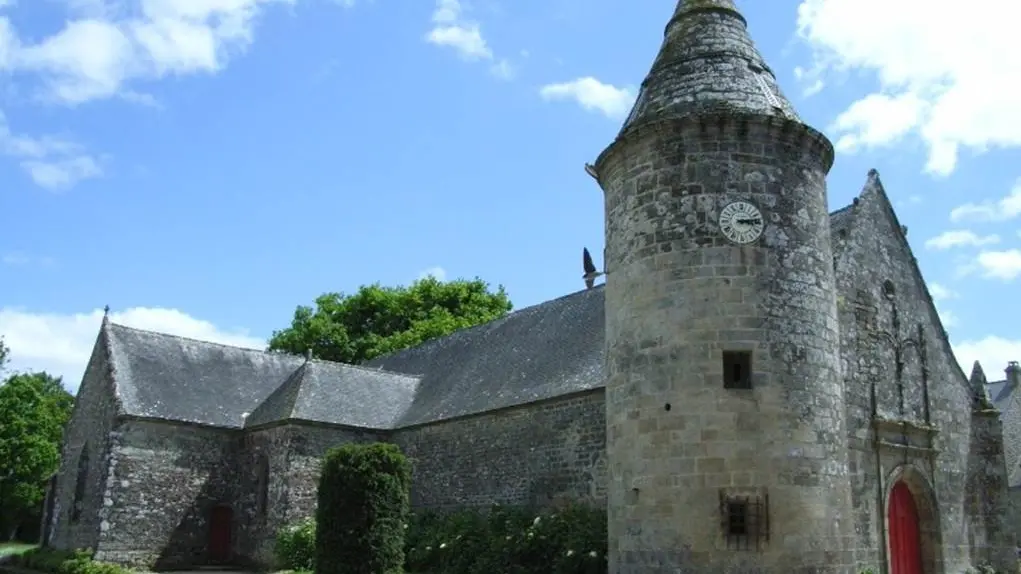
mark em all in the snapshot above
pixel 221 519
pixel 905 535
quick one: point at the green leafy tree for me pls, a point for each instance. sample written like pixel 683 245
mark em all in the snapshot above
pixel 378 320
pixel 34 407
pixel 5 355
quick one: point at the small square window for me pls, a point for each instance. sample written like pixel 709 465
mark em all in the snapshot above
pixel 744 519
pixel 737 518
pixel 737 369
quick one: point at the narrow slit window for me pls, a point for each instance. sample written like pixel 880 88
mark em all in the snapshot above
pixel 80 485
pixel 737 369
pixel 262 503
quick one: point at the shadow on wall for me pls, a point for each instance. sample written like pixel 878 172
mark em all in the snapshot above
pixel 205 535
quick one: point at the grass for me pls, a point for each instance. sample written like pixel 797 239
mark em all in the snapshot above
pixel 12 548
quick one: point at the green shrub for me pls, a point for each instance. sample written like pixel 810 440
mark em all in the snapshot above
pixel 362 510
pixel 65 562
pixel 296 546
pixel 509 541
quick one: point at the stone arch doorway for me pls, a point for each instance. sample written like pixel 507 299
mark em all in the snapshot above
pixel 911 524
pixel 220 544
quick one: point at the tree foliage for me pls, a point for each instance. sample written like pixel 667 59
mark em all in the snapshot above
pixel 34 407
pixel 378 320
pixel 5 354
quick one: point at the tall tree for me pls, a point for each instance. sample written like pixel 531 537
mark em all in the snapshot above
pixel 5 355
pixel 378 320
pixel 34 407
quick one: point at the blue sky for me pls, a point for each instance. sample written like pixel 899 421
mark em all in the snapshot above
pixel 204 166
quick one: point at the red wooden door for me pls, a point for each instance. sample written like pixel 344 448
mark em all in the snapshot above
pixel 220 520
pixel 905 538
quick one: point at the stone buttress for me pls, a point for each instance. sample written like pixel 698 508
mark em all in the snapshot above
pixel 726 436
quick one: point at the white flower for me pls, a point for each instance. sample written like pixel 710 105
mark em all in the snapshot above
pixel 570 552
pixel 428 548
pixel 442 546
pixel 536 521
pixel 592 554
pixel 508 537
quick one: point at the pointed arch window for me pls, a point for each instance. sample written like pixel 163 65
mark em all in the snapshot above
pixel 81 481
pixel 262 484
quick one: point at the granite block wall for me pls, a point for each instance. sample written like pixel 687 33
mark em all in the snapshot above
pixel 540 455
pixel 87 433
pixel 163 481
pixel 908 404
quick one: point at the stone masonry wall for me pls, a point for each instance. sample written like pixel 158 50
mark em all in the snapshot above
pixel 991 539
pixel 541 454
pixel 294 453
pixel 679 298
pixel 164 480
pixel 923 433
pixel 261 513
pixel 93 418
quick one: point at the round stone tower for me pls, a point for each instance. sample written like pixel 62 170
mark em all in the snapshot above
pixel 726 433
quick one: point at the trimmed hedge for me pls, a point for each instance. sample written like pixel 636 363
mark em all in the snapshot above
pixel 363 506
pixel 64 562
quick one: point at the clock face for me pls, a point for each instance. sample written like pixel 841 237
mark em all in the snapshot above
pixel 741 222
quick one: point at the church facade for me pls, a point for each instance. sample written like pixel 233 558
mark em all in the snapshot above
pixel 760 386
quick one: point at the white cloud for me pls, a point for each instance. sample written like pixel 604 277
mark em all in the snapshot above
pixel 948 318
pixel 1007 207
pixel 503 70
pixel 993 352
pixel 61 344
pixel 451 30
pixel 592 95
pixel 439 273
pixel 960 238
pixel 940 293
pixel 97 56
pixel 103 49
pixel 21 259
pixel 948 76
pixel 875 120
pixel 1005 265
pixel 53 162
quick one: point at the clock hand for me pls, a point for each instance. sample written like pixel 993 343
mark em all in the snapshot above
pixel 749 221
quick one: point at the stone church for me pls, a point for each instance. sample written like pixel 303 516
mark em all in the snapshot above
pixel 760 385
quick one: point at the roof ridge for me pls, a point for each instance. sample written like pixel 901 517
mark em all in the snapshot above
pixel 474 328
pixel 293 382
pixel 365 368
pixel 194 340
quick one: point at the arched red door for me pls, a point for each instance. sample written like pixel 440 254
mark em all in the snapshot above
pixel 220 520
pixel 905 538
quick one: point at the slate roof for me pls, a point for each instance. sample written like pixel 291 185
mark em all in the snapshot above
pixel 167 377
pixel 540 352
pixel 999 392
pixel 326 392
pixel 707 62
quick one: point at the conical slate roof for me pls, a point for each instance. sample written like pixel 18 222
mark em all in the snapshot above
pixel 708 63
